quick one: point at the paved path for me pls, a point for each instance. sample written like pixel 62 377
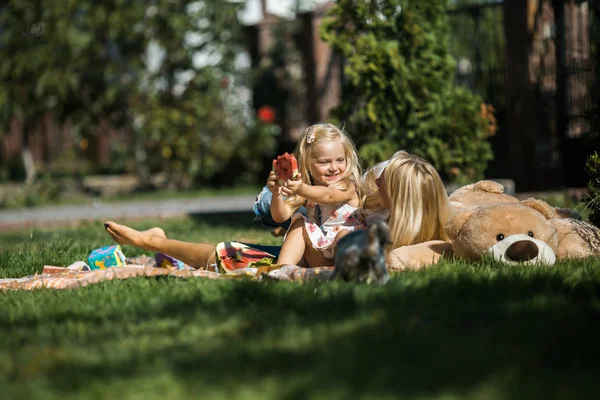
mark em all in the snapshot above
pixel 53 215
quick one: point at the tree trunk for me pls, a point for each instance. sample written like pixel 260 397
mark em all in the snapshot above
pixel 29 165
pixel 595 40
pixel 522 125
pixel 263 7
pixel 27 157
pixel 142 168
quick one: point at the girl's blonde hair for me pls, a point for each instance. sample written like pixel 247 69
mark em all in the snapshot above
pixel 326 132
pixel 418 199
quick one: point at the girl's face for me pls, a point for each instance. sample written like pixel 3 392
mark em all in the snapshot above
pixel 382 188
pixel 328 162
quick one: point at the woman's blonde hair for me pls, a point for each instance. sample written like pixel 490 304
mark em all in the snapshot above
pixel 418 199
pixel 325 132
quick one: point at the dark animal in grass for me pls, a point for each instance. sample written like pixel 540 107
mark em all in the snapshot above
pixel 361 255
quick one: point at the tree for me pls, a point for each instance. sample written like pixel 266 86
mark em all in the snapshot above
pixel 595 40
pixel 523 127
pixel 593 161
pixel 400 91
pixel 165 69
pixel 64 58
pixel 186 111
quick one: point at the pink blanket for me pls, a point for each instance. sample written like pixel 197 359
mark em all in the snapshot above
pixel 64 278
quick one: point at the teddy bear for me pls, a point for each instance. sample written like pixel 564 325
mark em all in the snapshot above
pixel 485 220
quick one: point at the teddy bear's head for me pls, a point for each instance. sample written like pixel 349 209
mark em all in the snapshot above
pixel 511 232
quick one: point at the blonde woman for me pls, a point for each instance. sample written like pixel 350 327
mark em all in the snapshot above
pixel 407 192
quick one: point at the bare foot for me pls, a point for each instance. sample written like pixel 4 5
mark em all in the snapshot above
pixel 125 235
pixel 156 231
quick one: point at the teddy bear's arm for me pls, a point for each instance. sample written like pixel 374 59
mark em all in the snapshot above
pixel 576 239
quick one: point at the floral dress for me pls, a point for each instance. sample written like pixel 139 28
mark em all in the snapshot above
pixel 324 221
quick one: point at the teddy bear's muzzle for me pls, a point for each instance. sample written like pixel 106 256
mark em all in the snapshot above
pixel 521 248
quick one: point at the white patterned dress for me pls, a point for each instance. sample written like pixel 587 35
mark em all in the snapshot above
pixel 325 221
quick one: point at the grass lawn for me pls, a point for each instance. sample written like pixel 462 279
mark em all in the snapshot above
pixel 455 331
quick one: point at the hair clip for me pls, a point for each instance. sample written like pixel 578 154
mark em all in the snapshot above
pixel 310 135
pixel 380 167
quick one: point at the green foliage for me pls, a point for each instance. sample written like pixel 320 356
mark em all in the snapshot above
pixel 477 41
pixel 187 116
pixel 65 57
pixel 595 48
pixel 252 154
pixel 13 170
pixel 278 83
pixel 593 202
pixel 163 70
pixel 42 191
pixel 593 162
pixel 400 91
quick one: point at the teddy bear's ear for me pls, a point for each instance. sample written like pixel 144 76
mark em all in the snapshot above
pixel 488 187
pixel 541 206
pixel 456 222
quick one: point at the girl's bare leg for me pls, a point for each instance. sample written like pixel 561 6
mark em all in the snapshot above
pixel 197 255
pixel 340 235
pixel 292 250
pixel 297 245
pixel 315 258
pixel 330 261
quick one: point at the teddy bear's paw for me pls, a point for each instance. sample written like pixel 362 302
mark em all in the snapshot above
pixel 523 249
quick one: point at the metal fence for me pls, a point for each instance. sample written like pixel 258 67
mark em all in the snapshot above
pixel 477 42
pixel 560 72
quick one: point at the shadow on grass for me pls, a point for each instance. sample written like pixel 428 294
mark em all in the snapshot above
pixel 527 337
pixel 238 220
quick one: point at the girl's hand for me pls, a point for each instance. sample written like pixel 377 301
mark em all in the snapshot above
pixel 272 184
pixel 292 187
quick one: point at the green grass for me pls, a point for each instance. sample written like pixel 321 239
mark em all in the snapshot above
pixel 455 331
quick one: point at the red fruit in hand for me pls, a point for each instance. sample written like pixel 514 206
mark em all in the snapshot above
pixel 285 167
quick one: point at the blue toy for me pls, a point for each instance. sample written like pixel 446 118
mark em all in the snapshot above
pixel 106 257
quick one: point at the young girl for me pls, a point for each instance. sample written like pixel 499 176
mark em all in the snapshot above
pixel 408 192
pixel 327 186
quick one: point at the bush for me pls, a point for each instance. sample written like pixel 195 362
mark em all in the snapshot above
pixel 593 162
pixel 13 170
pixel 253 153
pixel 595 40
pixel 43 191
pixel 159 70
pixel 593 201
pixel 187 114
pixel 400 91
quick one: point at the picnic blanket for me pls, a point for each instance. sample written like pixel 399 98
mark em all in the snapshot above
pixel 71 277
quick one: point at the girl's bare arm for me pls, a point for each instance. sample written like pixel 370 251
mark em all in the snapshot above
pixel 327 195
pixel 280 211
